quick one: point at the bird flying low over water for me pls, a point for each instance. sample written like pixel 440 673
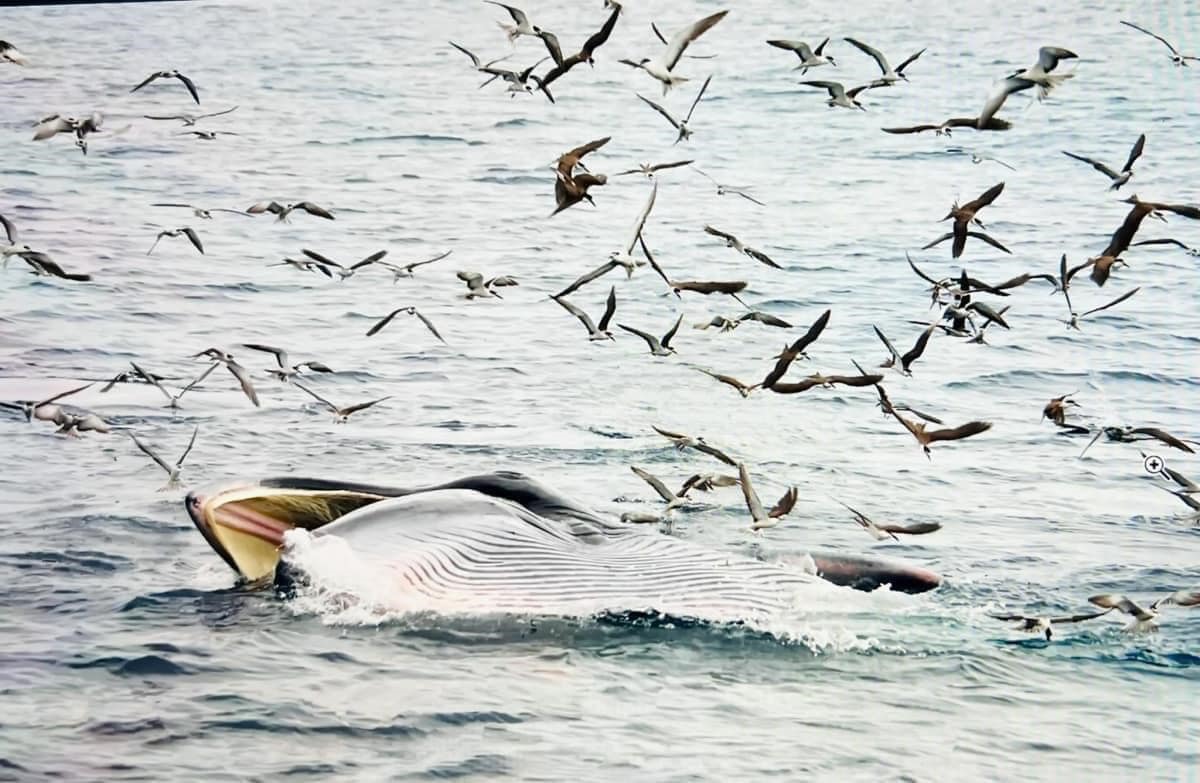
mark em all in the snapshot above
pixel 1037 75
pixel 281 212
pixel 662 67
pixel 1179 59
pixel 1118 178
pixel 188 83
pixel 809 57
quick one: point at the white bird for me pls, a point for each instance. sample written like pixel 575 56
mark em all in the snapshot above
pixel 809 57
pixel 173 471
pixel 890 76
pixel 680 125
pixel 658 347
pixel 1176 57
pixel 1039 75
pixel 761 518
pixel 340 414
pixel 661 67
pixel 191 86
pixel 595 332
pixel 522 26
pixel 10 53
pixel 203 214
pixel 185 231
pixel 618 258
pixel 1143 619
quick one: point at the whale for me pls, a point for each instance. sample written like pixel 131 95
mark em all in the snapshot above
pixel 503 542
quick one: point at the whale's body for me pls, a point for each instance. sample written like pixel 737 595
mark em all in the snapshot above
pixel 504 543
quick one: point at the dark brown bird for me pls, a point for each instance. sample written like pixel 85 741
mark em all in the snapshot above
pixel 1034 624
pixel 729 380
pixel 1056 409
pixel 568 161
pixel 1124 234
pixel 957 433
pixel 993 124
pixel 795 350
pixel 585 53
pixel 569 191
pixel 963 217
pixel 1134 434
pixel 880 532
pixel 828 381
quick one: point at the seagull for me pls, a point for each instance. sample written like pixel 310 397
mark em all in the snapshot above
pixel 173 471
pixel 30 408
pixel 11 54
pixel 406 270
pixel 729 380
pixel 724 190
pixel 522 26
pixel 882 532
pixel 203 214
pixel 478 288
pixel 191 86
pixel 1134 434
pixel 1118 178
pixel 944 129
pixel 286 368
pixel 1041 625
pixel 188 119
pixel 1073 323
pixel 736 244
pixel 344 271
pixel 1144 620
pixel 889 76
pixel 1176 57
pixel 340 414
pixel 672 499
pixel 838 95
pixel 681 441
pixel 651 169
pixel 172 399
pixel 661 67
pixel 42 265
pixel 761 518
pixel 809 58
pixel 796 349
pixel 904 360
pixel 925 438
pixel 281 212
pixel 680 125
pixel 175 232
pixel 387 319
pixel 235 369
pixel 595 332
pixel 963 217
pixel 585 53
pixel 657 347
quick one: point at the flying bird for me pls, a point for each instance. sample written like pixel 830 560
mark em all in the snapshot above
pixel 1042 625
pixel 917 429
pixel 809 57
pixel 586 53
pixel 595 332
pixel 173 470
pixel 1118 178
pixel 1177 58
pixel 736 244
pixel 796 349
pixel 191 86
pixel 282 212
pixel 286 369
pixel 889 76
pixel 522 26
pixel 882 532
pixel 904 360
pixel 839 95
pixel 658 347
pixel 963 216
pixel 762 518
pixel 662 67
pixel 387 319
pixel 11 54
pixel 681 441
pixel 189 119
pixel 340 414
pixel 680 125
pixel 191 235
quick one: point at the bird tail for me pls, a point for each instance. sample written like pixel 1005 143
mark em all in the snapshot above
pixel 673 81
pixel 510 31
pixel 1051 80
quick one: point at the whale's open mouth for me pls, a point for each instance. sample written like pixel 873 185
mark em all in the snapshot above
pixel 245 523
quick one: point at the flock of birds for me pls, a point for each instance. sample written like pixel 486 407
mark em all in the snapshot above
pixel 964 314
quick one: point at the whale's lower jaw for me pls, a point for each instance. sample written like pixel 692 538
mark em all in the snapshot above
pixel 245 524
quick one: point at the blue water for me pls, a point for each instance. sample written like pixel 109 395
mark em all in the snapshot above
pixel 126 651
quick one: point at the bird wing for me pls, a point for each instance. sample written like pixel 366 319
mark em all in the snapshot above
pixel 718 233
pixel 599 271
pixel 706 287
pixel 872 52
pixel 762 257
pixel 194 239
pixel 911 129
pixel 668 433
pixel 1097 165
pixel 1163 436
pixel 468 53
pixel 578 313
pixel 598 39
pixel 315 396
pixel 1165 42
pixel 655 482
pixel 792 46
pixel 154 381
pixel 146 81
pixel 835 89
pixel 918 348
pixel 785 504
pixel 766 319
pixel 191 87
pixel 1165 241
pixel 998 96
pixel 888 344
pixel 199 379
pixel 428 324
pixel 660 110
pixel 650 339
pixel 1135 153
pixel 517 14
pixel 666 338
pixel 960 432
pixel 640 223
pixel 149 452
pixel 900 68
pixel 217 113
pixel 610 307
pixel 680 41
pixel 676 164
pixel 61 395
pixel 315 256
pixel 314 209
pixel 281 355
pixel 729 380
pixel 699 95
pixel 1184 210
pixel 917 529
pixel 10 230
pixel 362 406
pixel 1118 602
pixel 940 240
pixel 243 379
pixel 713 451
pixel 987 312
pixel 866 379
pixel 583 149
pixel 188 450
pixel 986 198
pixel 653 264
pixel 558 70
pixel 371 259
pixel 757 513
pixel 382 322
pixel 416 264
pixel 1048 57
pixel 1113 303
pixel 316 366
pixel 552 46
pixel 980 235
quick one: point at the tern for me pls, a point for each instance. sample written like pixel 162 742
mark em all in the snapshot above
pixel 1118 178
pixel 480 66
pixel 661 67
pixel 619 258
pixel 1042 625
pixel 673 499
pixel 341 415
pixel 681 441
pixel 651 169
pixel 207 135
pixel 387 319
pixel 1177 58
pixel 236 370
pixel 191 86
pixel 839 96
pixel 477 287
pixel 189 119
pixel 889 76
pixel 1073 323
pixel 286 369
pixel 1135 434
pixel 522 26
pixel 883 532
pixel 30 408
pixel 809 57
pixel 172 399
pixel 736 244
pixel 595 332
pixel 680 125
pixel 658 347
pixel 724 190
pixel 281 212
pixel 344 272
pixel 173 471
pixel 11 54
pixel 1037 75
pixel 177 232
pixel 762 518
pixel 203 214
pixel 904 361
pixel 729 380
pixel 406 270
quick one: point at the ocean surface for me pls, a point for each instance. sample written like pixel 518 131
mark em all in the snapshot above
pixel 128 652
